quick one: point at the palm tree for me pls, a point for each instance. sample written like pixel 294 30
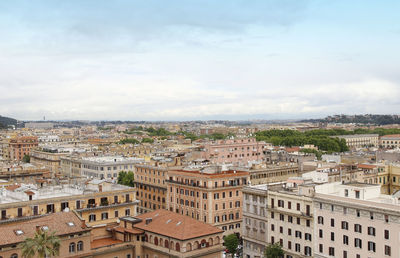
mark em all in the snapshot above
pixel 42 245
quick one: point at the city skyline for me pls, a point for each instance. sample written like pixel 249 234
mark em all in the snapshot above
pixel 180 60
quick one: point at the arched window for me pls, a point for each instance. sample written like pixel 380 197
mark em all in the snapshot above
pixel 188 247
pixel 196 245
pixel 72 247
pixel 210 241
pixel 156 241
pixel 14 256
pixel 217 240
pixel 79 246
pixel 177 247
pixel 146 238
pixel 166 243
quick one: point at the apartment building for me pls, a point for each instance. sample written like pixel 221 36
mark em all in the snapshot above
pixel 355 220
pixel 47 159
pixel 211 195
pixel 390 141
pixel 264 174
pixel 23 173
pixel 238 151
pixel 75 239
pixel 96 201
pixel 70 166
pixel 151 185
pixel 290 217
pixel 359 140
pixel 21 146
pixel 107 167
pixel 255 222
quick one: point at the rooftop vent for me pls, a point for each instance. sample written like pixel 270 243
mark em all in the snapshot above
pixel 180 222
pixel 168 221
pixel 71 224
pixel 19 232
pixel 148 220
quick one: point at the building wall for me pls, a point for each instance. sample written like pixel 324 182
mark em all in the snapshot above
pixel 21 146
pixel 208 197
pixel 352 214
pixel 290 219
pixel 254 229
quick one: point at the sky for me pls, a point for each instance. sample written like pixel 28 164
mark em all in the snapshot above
pixel 204 59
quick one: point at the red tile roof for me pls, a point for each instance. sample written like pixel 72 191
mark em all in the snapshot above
pixel 175 225
pixel 366 166
pixel 104 242
pixel 55 222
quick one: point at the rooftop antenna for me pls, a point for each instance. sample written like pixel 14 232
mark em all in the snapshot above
pixel 44 118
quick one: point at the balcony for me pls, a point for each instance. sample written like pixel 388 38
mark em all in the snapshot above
pixel 96 207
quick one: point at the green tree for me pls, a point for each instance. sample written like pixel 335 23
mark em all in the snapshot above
pixel 126 178
pixel 231 242
pixel 43 244
pixel 148 140
pixel 273 251
pixel 129 140
pixel 26 158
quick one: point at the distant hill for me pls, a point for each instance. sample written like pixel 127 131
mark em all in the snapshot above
pixel 359 119
pixel 7 121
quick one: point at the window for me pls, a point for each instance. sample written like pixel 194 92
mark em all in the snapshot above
pixel 332 236
pixel 371 246
pixel 332 222
pixel 297 247
pixel 357 242
pixel 104 215
pixel 298 234
pixel 344 254
pixel 92 217
pixel 72 247
pixel 345 240
pixel 388 250
pixel 321 248
pixel 298 221
pixel 345 225
pixel 331 251
pixel 386 234
pixel 307 251
pixel 371 231
pixel 307 236
pixel 298 206
pixel 320 220
pixel 79 246
pixel 357 194
pixel 320 233
pixel 127 212
pixel 357 228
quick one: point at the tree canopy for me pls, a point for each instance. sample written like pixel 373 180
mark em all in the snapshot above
pixel 126 178
pixel 26 158
pixel 43 244
pixel 231 242
pixel 129 140
pixel 273 251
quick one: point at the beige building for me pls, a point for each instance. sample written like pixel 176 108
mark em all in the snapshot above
pixel 209 195
pixel 255 221
pixel 97 201
pixel 355 220
pixel 47 159
pixel 151 185
pixel 265 174
pixel 391 141
pixel 290 217
pixel 360 140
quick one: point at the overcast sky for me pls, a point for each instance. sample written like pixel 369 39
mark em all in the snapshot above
pixel 182 60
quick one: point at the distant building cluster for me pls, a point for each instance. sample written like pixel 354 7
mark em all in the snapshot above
pixel 179 189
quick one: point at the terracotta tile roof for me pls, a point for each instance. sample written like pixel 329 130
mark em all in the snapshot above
pixel 130 230
pixel 366 166
pixel 12 187
pixel 104 242
pixel 175 225
pixel 292 149
pixel 57 222
pixel 391 136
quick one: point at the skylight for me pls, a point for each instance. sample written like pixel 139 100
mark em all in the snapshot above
pixel 168 221
pixel 19 232
pixel 71 224
pixel 180 222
